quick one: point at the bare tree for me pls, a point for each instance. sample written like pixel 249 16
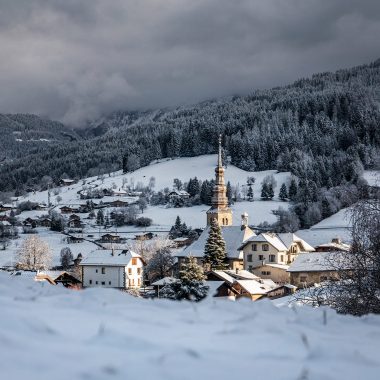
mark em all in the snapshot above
pixel 356 290
pixel 160 265
pixel 34 254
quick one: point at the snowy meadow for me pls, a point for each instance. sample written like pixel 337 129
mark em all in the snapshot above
pixel 50 332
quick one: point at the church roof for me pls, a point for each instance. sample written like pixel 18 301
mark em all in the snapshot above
pixel 234 236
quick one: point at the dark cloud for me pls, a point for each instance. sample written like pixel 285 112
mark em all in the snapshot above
pixel 75 59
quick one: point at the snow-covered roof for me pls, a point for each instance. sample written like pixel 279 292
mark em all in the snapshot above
pixel 165 281
pixel 256 287
pixel 5 223
pixel 282 241
pixel 224 276
pixel 334 246
pixel 319 261
pixel 109 257
pixel 279 266
pixel 233 236
pixel 241 274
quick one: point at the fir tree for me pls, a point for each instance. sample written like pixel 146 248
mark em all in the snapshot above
pixel 264 191
pixel 270 191
pixel 250 193
pixel 100 218
pixel 191 271
pixel 190 284
pixel 283 195
pixel 215 249
pixel 229 193
pixel 293 190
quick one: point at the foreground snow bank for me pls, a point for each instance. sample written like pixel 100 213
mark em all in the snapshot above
pixel 49 332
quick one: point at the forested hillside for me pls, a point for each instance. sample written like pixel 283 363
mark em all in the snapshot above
pixel 29 134
pixel 323 129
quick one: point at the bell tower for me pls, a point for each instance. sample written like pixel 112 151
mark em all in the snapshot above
pixel 219 203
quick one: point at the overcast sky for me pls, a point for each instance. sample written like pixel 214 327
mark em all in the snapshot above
pixel 74 60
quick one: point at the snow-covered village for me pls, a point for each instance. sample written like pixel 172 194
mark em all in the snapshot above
pixel 190 190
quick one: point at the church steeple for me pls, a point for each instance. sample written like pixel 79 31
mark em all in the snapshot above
pixel 219 203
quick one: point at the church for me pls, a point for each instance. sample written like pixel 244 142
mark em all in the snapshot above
pixel 220 211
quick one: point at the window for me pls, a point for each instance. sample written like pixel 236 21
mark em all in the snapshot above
pixel 96 282
pixel 265 273
pixel 323 278
pixel 265 247
pixel 139 282
pixel 96 271
pixel 103 282
pixel 272 258
pixel 138 270
pixel 134 261
pixel 282 258
pixel 249 258
pixel 90 282
pixel 261 257
pixel 254 247
pixel 303 278
pixel 250 268
pixel 109 282
pixel 129 270
pixel 103 270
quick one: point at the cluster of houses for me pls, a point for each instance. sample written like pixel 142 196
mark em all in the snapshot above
pixel 260 264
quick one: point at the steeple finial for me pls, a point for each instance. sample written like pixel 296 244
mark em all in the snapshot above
pixel 220 163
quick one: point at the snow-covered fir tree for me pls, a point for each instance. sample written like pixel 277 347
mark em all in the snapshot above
pixel 215 255
pixel 189 286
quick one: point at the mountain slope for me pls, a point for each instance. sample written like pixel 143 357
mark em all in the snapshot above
pixel 23 134
pixel 323 128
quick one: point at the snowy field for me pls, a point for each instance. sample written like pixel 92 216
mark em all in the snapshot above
pixel 164 172
pixel 258 211
pixel 49 332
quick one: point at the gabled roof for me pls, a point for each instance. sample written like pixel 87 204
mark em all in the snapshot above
pixel 319 262
pixel 282 241
pixel 164 281
pixel 233 236
pixel 109 257
pixel 256 287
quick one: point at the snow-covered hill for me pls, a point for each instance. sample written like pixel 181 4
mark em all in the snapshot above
pixel 49 332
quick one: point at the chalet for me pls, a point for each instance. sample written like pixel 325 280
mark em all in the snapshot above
pixel 6 207
pixel 144 236
pixel 311 268
pixel 75 239
pixel 58 277
pixel 44 222
pixel 182 194
pixel 5 227
pixel 33 223
pixel 241 283
pixel 40 207
pixel 121 269
pixel 335 245
pixel 66 182
pixel 74 221
pixel 111 238
pixel 120 193
pixel 69 209
pixel 181 242
pixel 117 203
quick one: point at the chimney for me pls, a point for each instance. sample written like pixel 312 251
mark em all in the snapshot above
pixel 336 240
pixel 237 270
pixel 244 220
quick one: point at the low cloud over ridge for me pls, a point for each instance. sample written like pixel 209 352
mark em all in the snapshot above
pixel 75 60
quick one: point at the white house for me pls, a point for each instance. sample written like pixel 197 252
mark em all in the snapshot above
pixel 268 255
pixel 112 269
